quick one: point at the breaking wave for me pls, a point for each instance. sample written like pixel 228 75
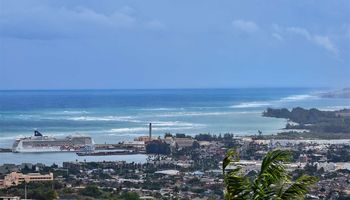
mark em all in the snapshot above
pixel 334 108
pixel 180 114
pixel 23 116
pixel 161 109
pixel 105 118
pixel 253 104
pixel 144 129
pixel 69 112
pixel 123 130
pixel 159 126
pixel 259 104
pixel 297 97
pixel 175 123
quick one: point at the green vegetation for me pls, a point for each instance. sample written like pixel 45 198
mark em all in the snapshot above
pixel 272 182
pixel 91 191
pixel 338 154
pixel 319 124
pixel 157 147
pixel 51 190
pixel 129 196
pixel 39 191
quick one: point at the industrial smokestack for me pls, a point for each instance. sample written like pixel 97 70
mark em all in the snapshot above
pixel 150 131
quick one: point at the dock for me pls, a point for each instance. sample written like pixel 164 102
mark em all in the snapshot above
pixel 110 153
pixel 5 150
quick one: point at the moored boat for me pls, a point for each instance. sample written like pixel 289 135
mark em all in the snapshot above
pixel 40 143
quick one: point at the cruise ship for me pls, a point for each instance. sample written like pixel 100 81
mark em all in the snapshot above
pixel 40 143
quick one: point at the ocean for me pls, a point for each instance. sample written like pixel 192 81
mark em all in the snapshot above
pixel 111 116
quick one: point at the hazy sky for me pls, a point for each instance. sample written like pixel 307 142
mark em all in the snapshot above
pixel 67 44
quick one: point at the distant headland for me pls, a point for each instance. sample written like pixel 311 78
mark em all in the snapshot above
pixel 342 93
pixel 313 123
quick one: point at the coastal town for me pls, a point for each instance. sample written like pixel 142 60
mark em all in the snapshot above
pixel 178 167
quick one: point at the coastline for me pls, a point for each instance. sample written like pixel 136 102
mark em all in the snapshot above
pixel 115 116
pixel 311 123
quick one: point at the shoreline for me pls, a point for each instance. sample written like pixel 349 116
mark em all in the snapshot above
pixel 59 158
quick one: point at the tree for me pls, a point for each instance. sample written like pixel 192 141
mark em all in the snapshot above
pixel 129 196
pixel 92 191
pixel 272 182
pixel 42 194
pixel 157 147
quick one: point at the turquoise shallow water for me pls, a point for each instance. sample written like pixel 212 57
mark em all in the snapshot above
pixel 116 115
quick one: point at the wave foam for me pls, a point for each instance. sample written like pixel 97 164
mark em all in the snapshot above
pixel 105 118
pixel 297 97
pixel 334 108
pixel 258 104
pixel 122 130
pixel 180 114
pixel 69 112
pixel 175 123
pixel 161 109
pixel 159 126
pixel 254 104
pixel 75 112
pixel 143 129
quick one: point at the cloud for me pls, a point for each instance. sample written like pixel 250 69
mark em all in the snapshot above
pixel 245 26
pixel 277 36
pixel 299 31
pixel 326 43
pixel 320 40
pixel 45 22
pixel 155 25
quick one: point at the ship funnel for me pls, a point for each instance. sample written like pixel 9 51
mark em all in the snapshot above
pixel 37 133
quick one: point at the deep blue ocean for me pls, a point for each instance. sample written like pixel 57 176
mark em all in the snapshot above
pixel 115 115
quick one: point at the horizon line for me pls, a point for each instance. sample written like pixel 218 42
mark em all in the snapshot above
pixel 189 88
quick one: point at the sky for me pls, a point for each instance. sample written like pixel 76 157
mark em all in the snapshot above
pixel 115 44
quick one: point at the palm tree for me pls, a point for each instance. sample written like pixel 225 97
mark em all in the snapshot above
pixel 272 182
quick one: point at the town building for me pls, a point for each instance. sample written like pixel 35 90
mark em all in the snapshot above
pixel 183 142
pixel 15 178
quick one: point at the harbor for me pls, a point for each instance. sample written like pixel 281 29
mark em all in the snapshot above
pixel 5 150
pixel 48 150
pixel 110 153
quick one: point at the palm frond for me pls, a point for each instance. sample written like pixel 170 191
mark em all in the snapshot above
pixel 237 186
pixel 272 182
pixel 272 168
pixel 299 188
pixel 231 156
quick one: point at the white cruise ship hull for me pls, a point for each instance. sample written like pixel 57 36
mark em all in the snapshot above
pixel 43 150
pixel 40 144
